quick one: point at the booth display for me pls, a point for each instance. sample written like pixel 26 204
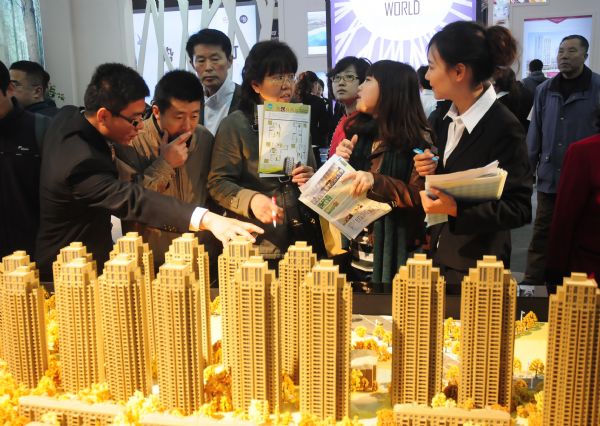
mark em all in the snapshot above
pixel 126 347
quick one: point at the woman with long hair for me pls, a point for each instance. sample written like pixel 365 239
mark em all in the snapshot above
pixel 233 182
pixel 390 96
pixel 476 130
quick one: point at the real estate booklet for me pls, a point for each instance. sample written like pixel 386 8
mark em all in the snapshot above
pixel 326 194
pixel 481 184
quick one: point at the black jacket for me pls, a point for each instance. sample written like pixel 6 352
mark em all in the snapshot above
pixel 483 228
pixel 46 107
pixel 80 189
pixel 19 180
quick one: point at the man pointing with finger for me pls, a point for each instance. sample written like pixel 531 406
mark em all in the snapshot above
pixel 170 155
pixel 79 185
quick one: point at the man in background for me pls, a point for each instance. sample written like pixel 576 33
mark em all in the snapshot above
pixel 536 76
pixel 210 54
pixel 427 99
pixel 31 87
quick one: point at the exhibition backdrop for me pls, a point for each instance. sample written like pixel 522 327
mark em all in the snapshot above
pixel 384 29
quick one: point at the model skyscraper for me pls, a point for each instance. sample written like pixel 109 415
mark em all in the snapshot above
pixel 297 262
pixel 572 381
pixel 487 314
pixel 325 321
pixel 79 319
pixel 256 373
pixel 178 319
pixel 133 245
pixel 23 326
pixel 417 332
pixel 187 248
pixel 124 323
pixel 234 253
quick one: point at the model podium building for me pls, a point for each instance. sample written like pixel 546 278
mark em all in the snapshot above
pixel 297 262
pixel 187 248
pixel 255 373
pixel 572 381
pixel 417 332
pixel 487 314
pixel 177 312
pixel 421 415
pixel 234 253
pixel 133 245
pixel 23 325
pixel 124 323
pixel 79 319
pixel 325 324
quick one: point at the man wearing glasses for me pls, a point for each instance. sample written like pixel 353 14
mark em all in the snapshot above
pixel 31 85
pixel 79 185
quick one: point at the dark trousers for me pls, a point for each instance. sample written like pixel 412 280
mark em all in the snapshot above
pixel 536 254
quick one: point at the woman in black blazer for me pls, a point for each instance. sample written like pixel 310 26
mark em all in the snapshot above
pixel 476 131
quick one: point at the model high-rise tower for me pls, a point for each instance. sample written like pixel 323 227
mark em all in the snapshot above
pixel 8 264
pixel 133 245
pixel 234 253
pixel 325 321
pixel 487 315
pixel 124 323
pixel 178 319
pixel 297 262
pixel 572 381
pixel 187 248
pixel 256 373
pixel 79 319
pixel 417 332
pixel 23 326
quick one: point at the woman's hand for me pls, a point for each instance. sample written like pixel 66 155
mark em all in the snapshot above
pixel 362 182
pixel 444 204
pixel 424 164
pixel 265 210
pixel 301 174
pixel 345 148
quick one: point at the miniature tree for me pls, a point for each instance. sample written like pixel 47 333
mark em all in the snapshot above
pixel 536 367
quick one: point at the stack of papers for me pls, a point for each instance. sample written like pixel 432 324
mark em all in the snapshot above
pixel 482 184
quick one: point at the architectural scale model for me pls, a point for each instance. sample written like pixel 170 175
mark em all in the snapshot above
pixel 180 363
pixel 133 245
pixel 69 412
pixel 325 331
pixel 422 415
pixel 124 323
pixel 234 253
pixel 572 379
pixel 297 262
pixel 487 315
pixel 188 249
pixel 23 326
pixel 79 318
pixel 417 332
pixel 256 374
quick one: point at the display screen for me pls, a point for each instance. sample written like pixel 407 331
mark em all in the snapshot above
pixel 384 29
pixel 175 47
pixel 542 37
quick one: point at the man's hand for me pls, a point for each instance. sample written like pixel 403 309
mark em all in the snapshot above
pixel 362 182
pixel 176 152
pixel 424 165
pixel 263 208
pixel 301 174
pixel 444 204
pixel 345 148
pixel 225 228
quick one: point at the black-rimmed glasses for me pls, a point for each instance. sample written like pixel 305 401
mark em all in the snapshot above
pixel 135 122
pixel 348 78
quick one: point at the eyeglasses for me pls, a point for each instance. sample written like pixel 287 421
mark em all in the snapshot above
pixel 282 78
pixel 348 78
pixel 135 122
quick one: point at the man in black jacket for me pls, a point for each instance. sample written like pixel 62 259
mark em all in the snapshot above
pixel 31 87
pixel 20 134
pixel 80 189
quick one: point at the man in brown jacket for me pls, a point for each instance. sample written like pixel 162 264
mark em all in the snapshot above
pixel 171 155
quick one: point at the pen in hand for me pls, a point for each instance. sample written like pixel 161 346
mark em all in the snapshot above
pixel 274 212
pixel 420 151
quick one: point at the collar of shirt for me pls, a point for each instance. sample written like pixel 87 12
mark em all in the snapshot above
pixel 222 95
pixel 475 113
